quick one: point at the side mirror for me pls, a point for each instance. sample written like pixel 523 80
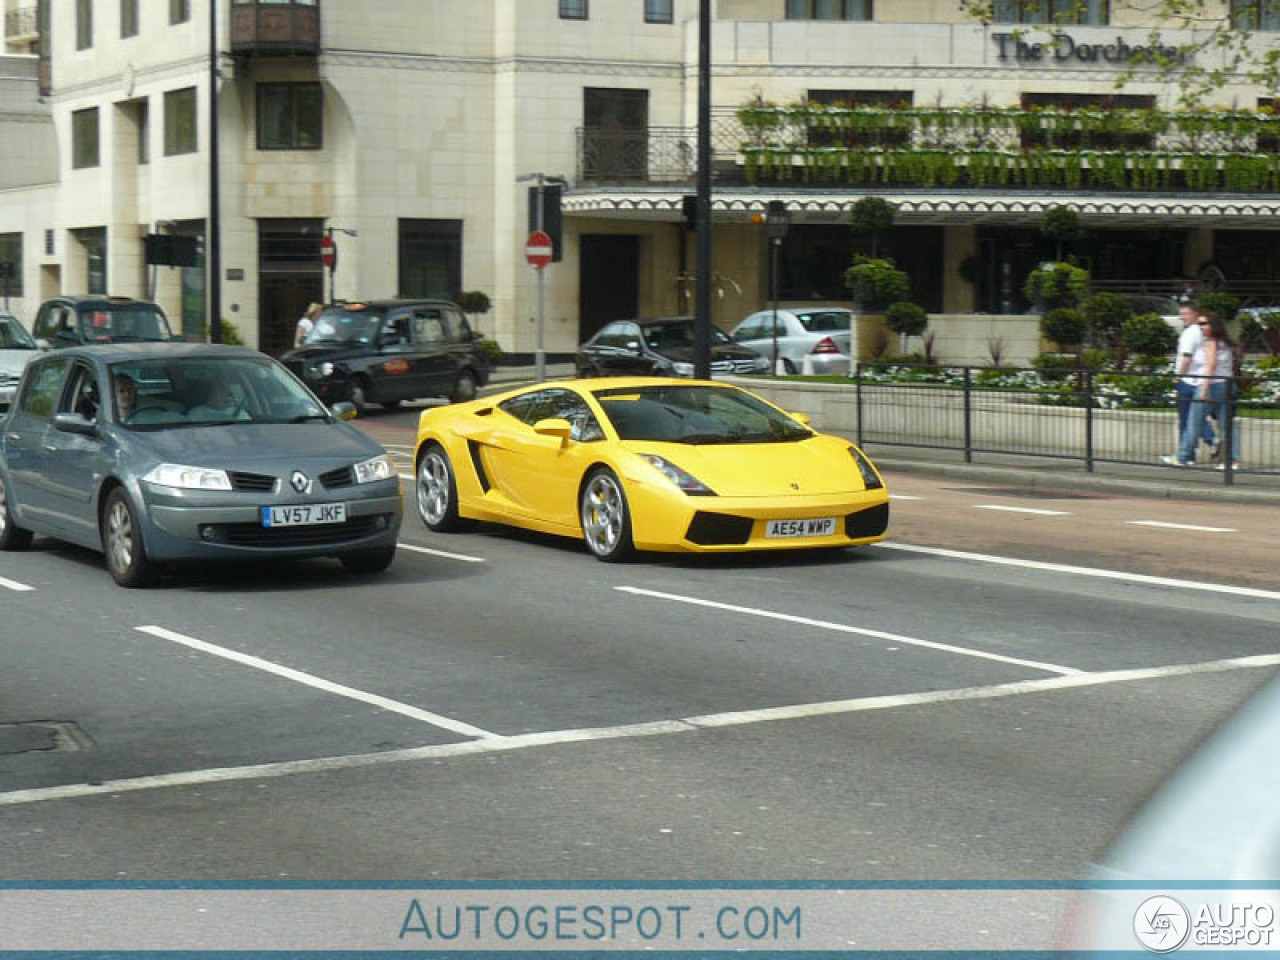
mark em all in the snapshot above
pixel 43 344
pixel 554 427
pixel 801 418
pixel 343 410
pixel 74 423
pixel 633 346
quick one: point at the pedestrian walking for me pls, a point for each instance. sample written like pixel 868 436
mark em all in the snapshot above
pixel 1190 368
pixel 305 324
pixel 1214 393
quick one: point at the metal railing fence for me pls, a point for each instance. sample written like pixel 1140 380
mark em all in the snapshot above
pixel 1096 417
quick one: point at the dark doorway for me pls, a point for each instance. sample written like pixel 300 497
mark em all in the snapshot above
pixel 608 280
pixel 290 278
pixel 615 135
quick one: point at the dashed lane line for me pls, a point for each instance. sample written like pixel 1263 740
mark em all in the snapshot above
pixel 903 496
pixel 1140 578
pixel 1035 510
pixel 15 586
pixel 845 628
pixel 319 683
pixel 441 553
pixel 1181 526
pixel 550 738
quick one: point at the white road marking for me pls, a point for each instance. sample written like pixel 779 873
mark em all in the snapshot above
pixel 657 728
pixel 406 476
pixel 442 553
pixel 1043 513
pixel 1181 526
pixel 903 496
pixel 399 446
pixel 14 585
pixel 1085 571
pixel 307 679
pixel 844 628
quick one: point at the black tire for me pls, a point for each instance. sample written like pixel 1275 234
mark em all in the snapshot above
pixel 436 491
pixel 126 554
pixel 464 388
pixel 360 396
pixel 789 366
pixel 370 561
pixel 389 404
pixel 12 536
pixel 605 516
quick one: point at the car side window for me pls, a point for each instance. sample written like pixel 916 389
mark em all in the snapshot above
pixel 40 394
pixel 518 407
pixel 629 333
pixel 83 396
pixel 749 330
pixel 398 329
pixel 428 326
pixel 610 336
pixel 567 405
pixel 456 328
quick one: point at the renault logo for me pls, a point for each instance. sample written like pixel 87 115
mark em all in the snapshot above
pixel 300 482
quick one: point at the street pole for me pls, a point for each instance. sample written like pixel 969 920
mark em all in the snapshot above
pixel 774 243
pixel 539 353
pixel 213 249
pixel 702 306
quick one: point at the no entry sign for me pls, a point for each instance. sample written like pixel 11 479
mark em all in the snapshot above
pixel 537 249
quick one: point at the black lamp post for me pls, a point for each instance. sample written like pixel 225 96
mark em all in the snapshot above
pixel 213 241
pixel 777 220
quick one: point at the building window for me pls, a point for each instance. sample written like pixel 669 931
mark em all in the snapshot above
pixel 11 264
pixel 290 116
pixel 144 133
pixel 93 240
pixel 659 11
pixel 1094 13
pixel 1255 14
pixel 573 9
pixel 180 121
pixel 431 259
pixel 895 137
pixel 84 24
pixel 1079 140
pixel 179 11
pixel 829 10
pixel 128 18
pixel 84 138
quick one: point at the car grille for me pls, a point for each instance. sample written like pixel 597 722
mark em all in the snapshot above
pixel 867 523
pixel 253 482
pixel 342 477
pixel 747 365
pixel 712 529
pixel 255 535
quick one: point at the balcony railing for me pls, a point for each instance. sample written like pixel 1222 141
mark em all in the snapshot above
pixel 1114 151
pixel 275 29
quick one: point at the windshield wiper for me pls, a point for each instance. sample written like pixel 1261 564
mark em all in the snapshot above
pixel 304 417
pixel 707 438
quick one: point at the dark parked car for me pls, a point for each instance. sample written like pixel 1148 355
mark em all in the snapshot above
pixel 163 452
pixel 69 321
pixel 662 346
pixel 389 351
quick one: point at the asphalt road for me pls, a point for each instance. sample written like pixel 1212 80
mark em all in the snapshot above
pixel 987 696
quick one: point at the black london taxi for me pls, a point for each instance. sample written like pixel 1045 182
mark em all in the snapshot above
pixel 390 351
pixel 73 320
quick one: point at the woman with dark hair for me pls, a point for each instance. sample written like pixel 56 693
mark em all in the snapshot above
pixel 1213 394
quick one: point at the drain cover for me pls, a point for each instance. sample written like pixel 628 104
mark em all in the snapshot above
pixel 36 736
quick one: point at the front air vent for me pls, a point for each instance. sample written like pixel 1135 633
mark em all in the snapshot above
pixel 342 477
pixel 718 529
pixel 253 482
pixel 872 522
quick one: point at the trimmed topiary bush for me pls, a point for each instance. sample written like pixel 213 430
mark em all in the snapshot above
pixel 1064 326
pixel 1053 285
pixel 1146 333
pixel 906 319
pixel 1106 314
pixel 876 283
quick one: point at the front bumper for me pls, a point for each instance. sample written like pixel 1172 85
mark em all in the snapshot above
pixel 673 522
pixel 182 526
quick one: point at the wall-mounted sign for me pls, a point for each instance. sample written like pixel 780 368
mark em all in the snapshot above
pixel 235 273
pixel 1064 48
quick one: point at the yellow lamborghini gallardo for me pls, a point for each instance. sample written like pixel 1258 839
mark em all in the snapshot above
pixel 646 464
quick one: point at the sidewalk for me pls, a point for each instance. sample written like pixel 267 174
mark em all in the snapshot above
pixel 1129 479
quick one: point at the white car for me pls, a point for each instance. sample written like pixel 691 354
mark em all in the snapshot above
pixel 16 348
pixel 816 339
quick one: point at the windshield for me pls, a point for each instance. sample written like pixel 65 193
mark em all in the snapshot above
pixel 696 415
pixel 669 336
pixel 208 391
pixel 13 336
pixel 825 321
pixel 338 325
pixel 123 323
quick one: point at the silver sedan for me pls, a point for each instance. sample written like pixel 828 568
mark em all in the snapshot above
pixel 162 452
pixel 816 339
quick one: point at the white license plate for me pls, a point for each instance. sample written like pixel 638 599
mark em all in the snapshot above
pixel 819 527
pixel 304 515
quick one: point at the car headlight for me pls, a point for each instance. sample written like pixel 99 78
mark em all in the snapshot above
pixel 685 481
pixel 188 478
pixel 682 369
pixel 379 468
pixel 322 370
pixel 870 479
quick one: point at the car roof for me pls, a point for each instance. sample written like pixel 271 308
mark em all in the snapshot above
pixel 154 350
pixel 80 299
pixel 387 303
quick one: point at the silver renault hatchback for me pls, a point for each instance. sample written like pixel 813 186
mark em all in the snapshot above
pixel 162 452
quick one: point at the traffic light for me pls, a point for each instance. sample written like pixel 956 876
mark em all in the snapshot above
pixel 689 210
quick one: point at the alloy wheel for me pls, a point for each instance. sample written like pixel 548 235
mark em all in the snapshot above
pixel 603 514
pixel 433 488
pixel 4 510
pixel 120 542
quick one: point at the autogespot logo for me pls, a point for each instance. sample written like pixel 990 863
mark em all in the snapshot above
pixel 1161 924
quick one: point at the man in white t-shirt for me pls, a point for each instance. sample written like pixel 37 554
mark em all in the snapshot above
pixel 1190 368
